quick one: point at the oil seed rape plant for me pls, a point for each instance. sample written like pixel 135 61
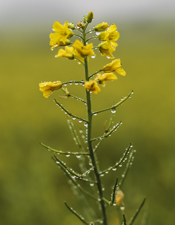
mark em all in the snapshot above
pixel 80 51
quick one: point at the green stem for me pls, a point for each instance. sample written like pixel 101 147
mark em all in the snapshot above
pixel 91 152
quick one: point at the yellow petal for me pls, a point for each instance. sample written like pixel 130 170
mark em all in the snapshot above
pixel 119 197
pixel 120 71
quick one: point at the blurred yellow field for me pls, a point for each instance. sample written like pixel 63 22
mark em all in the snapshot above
pixel 32 189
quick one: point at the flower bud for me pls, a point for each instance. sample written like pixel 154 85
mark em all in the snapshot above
pixel 85 19
pixel 80 25
pixel 101 26
pixel 90 17
pixel 71 26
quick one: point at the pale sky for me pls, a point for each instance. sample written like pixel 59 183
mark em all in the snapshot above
pixel 25 12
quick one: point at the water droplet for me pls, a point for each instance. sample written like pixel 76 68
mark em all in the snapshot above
pixel 92 56
pixel 57 162
pixel 73 118
pixel 76 83
pixel 120 165
pixel 97 33
pixel 80 121
pixel 113 111
pixel 123 175
pixel 65 85
pixel 78 156
pixel 85 124
pixel 114 169
pixel 91 184
pixel 122 207
pixel 108 57
pixel 67 155
pixel 95 114
pixel 102 175
pixel 103 189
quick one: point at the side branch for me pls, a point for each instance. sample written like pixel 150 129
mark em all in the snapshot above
pixel 120 161
pixel 64 153
pixel 95 73
pixel 114 106
pixel 70 114
pixel 137 212
pixel 77 215
pixel 114 192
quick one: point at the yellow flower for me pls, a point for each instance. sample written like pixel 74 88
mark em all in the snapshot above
pixel 106 76
pixel 69 53
pixel 48 87
pixel 101 26
pixel 61 34
pixel 59 43
pixel 83 50
pixel 115 65
pixel 119 197
pixel 92 86
pixel 105 48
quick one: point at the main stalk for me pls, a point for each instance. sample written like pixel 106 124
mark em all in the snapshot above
pixel 92 154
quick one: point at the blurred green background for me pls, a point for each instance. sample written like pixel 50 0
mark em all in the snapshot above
pixel 32 189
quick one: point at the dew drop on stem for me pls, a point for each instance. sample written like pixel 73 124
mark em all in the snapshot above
pixel 113 111
pixel 97 33
pixel 85 124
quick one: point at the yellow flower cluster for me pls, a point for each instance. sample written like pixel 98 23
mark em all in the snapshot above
pixel 114 66
pixel 107 35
